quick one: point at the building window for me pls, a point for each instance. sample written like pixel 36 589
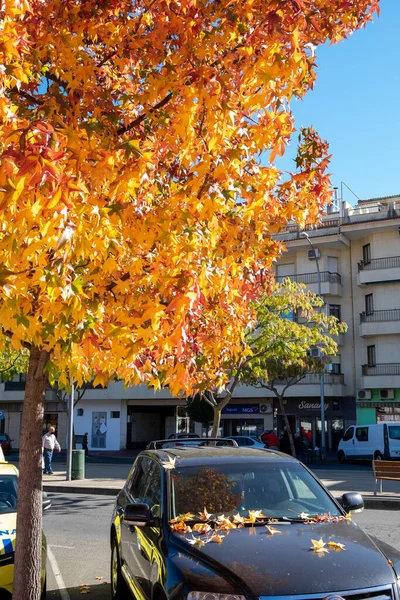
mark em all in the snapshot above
pixel 367 254
pixel 369 304
pixel 334 368
pixel 371 356
pixel 115 414
pixel 334 310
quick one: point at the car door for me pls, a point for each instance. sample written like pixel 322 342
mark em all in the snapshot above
pixel 362 447
pixel 140 543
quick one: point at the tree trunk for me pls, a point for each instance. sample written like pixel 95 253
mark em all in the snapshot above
pixel 287 425
pixel 216 421
pixel 28 552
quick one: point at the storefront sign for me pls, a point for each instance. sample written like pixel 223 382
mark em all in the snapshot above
pixel 241 409
pixel 312 405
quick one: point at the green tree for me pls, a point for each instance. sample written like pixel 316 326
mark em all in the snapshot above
pixel 199 410
pixel 276 351
pixel 13 362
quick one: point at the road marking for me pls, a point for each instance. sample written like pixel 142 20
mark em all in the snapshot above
pixel 55 546
pixel 57 575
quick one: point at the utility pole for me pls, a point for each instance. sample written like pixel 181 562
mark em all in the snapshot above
pixel 70 432
pixel 321 380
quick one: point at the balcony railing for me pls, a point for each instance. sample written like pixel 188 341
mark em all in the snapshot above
pixel 315 378
pixel 381 369
pixel 379 316
pixel 329 378
pixel 294 228
pixel 389 262
pixel 308 278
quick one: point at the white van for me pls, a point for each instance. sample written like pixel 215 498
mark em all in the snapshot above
pixel 381 441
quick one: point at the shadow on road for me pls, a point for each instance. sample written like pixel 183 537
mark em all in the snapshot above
pixel 65 504
pixel 102 591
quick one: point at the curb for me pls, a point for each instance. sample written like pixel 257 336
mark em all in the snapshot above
pixel 374 503
pixel 59 489
pixel 377 503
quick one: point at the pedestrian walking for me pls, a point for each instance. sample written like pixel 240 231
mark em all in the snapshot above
pixel 49 444
pixel 271 439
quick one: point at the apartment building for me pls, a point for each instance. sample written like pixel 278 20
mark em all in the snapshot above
pixel 357 251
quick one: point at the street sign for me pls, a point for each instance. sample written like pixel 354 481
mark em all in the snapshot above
pixel 1 414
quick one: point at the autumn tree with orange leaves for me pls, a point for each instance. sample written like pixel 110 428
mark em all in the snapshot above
pixel 136 215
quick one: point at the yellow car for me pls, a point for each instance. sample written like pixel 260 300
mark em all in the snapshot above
pixel 8 518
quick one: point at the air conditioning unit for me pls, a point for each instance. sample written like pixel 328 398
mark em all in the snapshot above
pixel 386 394
pixel 313 254
pixel 364 395
pixel 315 353
pixel 266 408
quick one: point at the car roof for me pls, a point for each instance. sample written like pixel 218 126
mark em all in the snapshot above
pixel 8 469
pixel 203 455
pixel 230 437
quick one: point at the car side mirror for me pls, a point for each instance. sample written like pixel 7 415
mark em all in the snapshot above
pixel 352 502
pixel 46 502
pixel 140 515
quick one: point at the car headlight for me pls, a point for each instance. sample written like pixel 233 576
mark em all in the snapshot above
pixel 211 596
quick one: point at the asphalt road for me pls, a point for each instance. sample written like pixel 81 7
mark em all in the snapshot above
pixel 77 530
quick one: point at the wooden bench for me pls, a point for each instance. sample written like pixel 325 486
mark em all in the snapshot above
pixel 385 469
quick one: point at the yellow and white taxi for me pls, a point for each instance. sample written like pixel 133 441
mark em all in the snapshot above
pixel 8 518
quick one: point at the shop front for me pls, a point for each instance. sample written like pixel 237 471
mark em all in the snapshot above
pixel 305 417
pixel 371 412
pixel 246 419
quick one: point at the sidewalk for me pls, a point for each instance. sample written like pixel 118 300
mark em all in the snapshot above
pixel 109 478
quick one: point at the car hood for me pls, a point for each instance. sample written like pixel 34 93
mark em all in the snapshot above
pixel 283 564
pixel 7 532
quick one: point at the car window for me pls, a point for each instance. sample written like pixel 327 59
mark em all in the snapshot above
pixel 146 484
pixel 8 493
pixel 362 434
pixel 3 438
pixel 278 490
pixel 138 479
pixel 394 432
pixel 349 434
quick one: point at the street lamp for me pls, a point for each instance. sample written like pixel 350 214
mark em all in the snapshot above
pixel 321 380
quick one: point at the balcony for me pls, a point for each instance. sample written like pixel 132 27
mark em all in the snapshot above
pixel 310 386
pixel 379 270
pixel 380 322
pixel 331 283
pixel 381 375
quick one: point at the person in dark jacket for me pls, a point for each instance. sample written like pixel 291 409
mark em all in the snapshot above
pixel 298 446
pixel 284 444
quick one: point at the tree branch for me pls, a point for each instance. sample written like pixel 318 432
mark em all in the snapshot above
pixel 32 99
pixel 144 116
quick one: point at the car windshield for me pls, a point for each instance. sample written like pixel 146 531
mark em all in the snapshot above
pixel 8 493
pixel 279 490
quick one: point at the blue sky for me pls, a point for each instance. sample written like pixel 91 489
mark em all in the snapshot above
pixel 355 105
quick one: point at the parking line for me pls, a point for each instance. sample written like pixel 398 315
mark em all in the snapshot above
pixel 57 575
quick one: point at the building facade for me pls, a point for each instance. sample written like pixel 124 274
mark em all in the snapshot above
pixel 358 251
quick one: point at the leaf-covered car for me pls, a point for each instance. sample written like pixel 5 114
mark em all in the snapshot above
pixel 220 523
pixel 8 520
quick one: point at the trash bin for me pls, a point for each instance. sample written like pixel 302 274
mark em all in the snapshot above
pixel 78 464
